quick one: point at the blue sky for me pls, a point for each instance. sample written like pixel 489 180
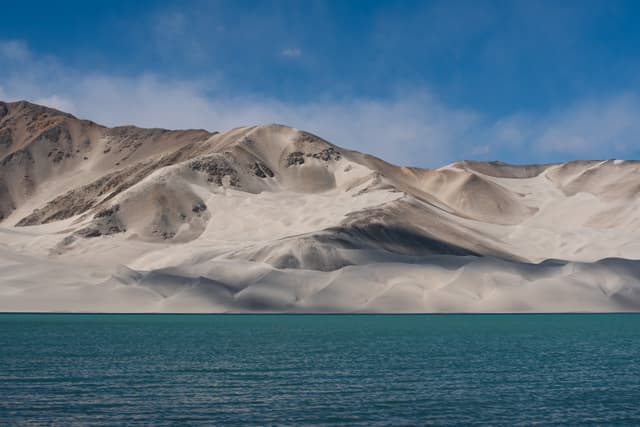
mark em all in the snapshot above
pixel 416 82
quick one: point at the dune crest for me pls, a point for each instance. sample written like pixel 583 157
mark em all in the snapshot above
pixel 271 218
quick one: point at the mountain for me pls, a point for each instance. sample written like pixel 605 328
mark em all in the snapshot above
pixel 271 218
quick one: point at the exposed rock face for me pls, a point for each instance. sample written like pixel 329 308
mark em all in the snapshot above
pixel 6 201
pixel 106 223
pixel 295 158
pixel 6 138
pixel 199 207
pixel 216 167
pixel 329 154
pixel 261 170
pixel 81 199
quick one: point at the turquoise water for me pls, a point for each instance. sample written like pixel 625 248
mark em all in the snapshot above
pixel 319 370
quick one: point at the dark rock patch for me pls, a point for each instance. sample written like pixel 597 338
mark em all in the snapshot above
pixel 68 240
pixel 261 170
pixel 199 207
pixel 164 228
pixel 58 156
pixel 328 154
pixel 6 201
pixel 296 158
pixel 108 212
pixel 106 222
pixel 18 157
pixel 165 235
pixel 6 137
pixel 56 133
pixel 216 169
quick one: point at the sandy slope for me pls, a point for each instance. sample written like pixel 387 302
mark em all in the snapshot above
pixel 269 218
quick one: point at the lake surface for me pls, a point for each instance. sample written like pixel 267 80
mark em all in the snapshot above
pixel 75 369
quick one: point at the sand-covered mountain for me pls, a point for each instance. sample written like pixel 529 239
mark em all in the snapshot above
pixel 271 218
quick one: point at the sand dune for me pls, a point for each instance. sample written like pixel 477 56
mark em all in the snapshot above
pixel 271 218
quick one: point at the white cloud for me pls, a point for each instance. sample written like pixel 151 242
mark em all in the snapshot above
pixel 411 127
pixel 588 127
pixel 292 52
pixel 594 128
pixel 57 102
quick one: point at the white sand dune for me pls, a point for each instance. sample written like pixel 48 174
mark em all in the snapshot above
pixel 270 218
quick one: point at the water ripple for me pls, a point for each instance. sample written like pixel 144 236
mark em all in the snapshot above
pixel 319 370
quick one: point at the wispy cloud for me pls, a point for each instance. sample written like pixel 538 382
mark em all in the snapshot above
pixel 57 102
pixel 292 52
pixel 407 129
pixel 411 127
pixel 590 128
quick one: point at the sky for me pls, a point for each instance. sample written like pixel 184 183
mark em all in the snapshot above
pixel 420 83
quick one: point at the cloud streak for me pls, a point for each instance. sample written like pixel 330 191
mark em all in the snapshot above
pixel 292 52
